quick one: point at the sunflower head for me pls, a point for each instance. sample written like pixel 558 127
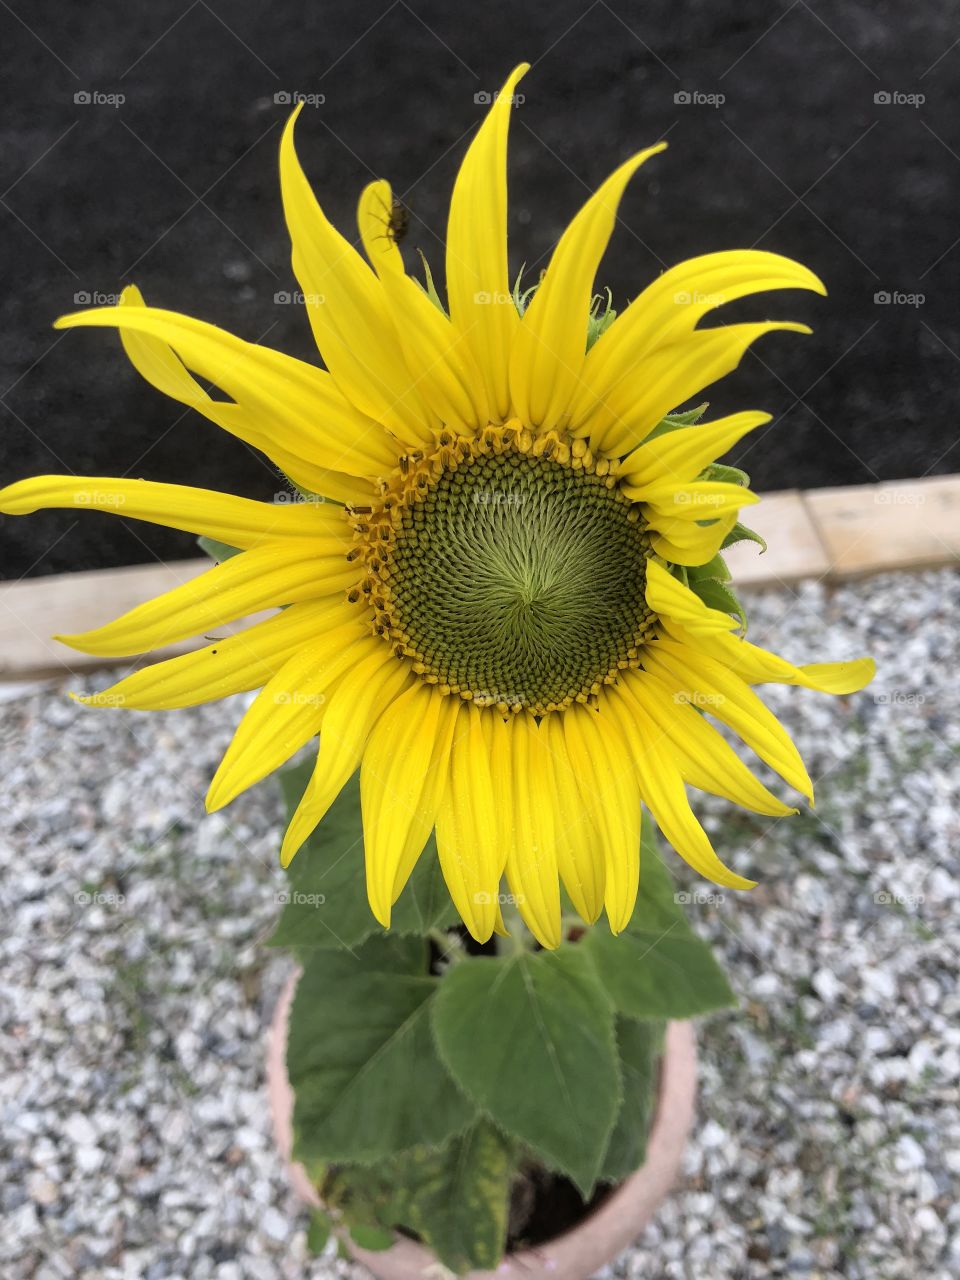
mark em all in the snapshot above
pixel 505 601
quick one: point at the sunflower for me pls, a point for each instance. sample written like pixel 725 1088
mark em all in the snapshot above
pixel 486 587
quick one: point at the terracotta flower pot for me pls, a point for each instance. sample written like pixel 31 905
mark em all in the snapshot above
pixel 575 1254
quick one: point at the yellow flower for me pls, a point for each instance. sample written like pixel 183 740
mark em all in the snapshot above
pixel 484 612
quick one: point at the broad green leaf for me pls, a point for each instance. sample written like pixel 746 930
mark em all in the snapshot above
pixel 318 1232
pixel 658 967
pixel 639 1045
pixel 326 898
pixel 740 533
pixel 458 1198
pixel 530 1039
pixel 218 551
pixel 375 1239
pixel 362 1063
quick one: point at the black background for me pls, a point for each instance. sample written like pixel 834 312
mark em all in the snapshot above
pixel 176 189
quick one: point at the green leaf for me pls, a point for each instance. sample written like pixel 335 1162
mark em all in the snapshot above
pixel 318 1232
pixel 715 568
pixel 326 898
pixel 530 1039
pixel 362 1063
pixel 740 533
pixel 376 1239
pixel 658 967
pixel 457 1199
pixel 639 1045
pixel 218 551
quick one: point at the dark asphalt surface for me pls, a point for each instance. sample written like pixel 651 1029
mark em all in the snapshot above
pixel 783 143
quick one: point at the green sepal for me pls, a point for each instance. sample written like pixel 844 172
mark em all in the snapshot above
pixel 218 551
pixel 361 1059
pixel 725 473
pixel 530 1040
pixel 599 322
pixel 521 296
pixel 429 288
pixel 715 568
pixel 639 1046
pixel 740 533
pixel 674 421
pixel 710 583
pixel 326 898
pixel 658 967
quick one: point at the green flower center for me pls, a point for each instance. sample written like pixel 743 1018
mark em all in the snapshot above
pixel 513 579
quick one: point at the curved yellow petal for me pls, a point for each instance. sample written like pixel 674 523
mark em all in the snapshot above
pixel 713 687
pixel 402 778
pixel 669 598
pixel 693 500
pixel 235 664
pixel 240 522
pixel 478 279
pixel 288 711
pixel 550 344
pixel 608 789
pixel 361 696
pixel 281 573
pixel 682 454
pixel 760 666
pixel 580 849
pixel 436 353
pixel 666 378
pixel 662 789
pixel 296 406
pixel 686 543
pixel 670 308
pixel 467 828
pixel 705 759
pixel 348 310
pixel 531 866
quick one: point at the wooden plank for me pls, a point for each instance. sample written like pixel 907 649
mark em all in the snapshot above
pixel 905 524
pixel 794 549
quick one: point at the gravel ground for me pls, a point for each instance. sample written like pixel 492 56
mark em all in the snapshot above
pixel 135 988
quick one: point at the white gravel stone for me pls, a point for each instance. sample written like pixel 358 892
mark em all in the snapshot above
pixel 135 988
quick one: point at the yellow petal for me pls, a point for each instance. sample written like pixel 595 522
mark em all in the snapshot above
pixel 550 343
pixel 669 376
pixel 360 698
pixel 681 542
pixel 661 787
pixel 436 353
pixel 288 711
pixel 668 310
pixel 239 522
pixel 532 871
pixel 682 454
pixel 715 688
pixel 580 850
pixel 759 666
pixel 296 405
pixel 404 772
pixel 281 573
pixel 608 789
pixel 478 280
pixel 348 311
pixel 704 758
pixel 694 500
pixel 669 598
pixel 239 662
pixel 467 828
